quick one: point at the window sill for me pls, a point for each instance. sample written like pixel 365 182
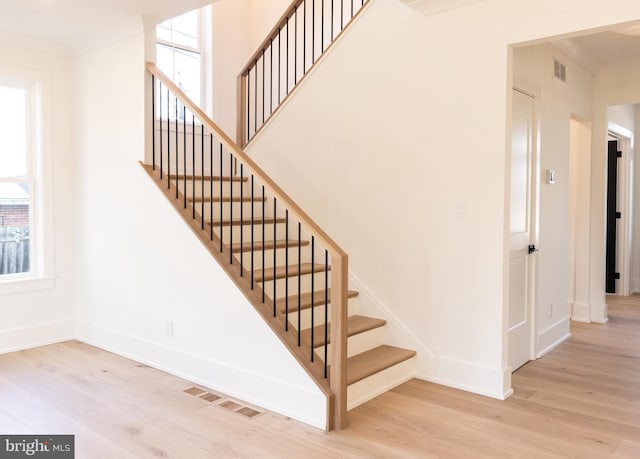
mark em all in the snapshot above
pixel 29 284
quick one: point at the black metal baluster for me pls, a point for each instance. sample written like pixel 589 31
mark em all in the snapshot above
pixel 279 63
pixel 313 240
pixel 322 28
pixel 332 20
pixel 160 127
pixel 286 267
pixel 341 15
pixel 264 77
pixel 202 173
pixel 230 223
pixel 304 38
pixel 248 104
pixel 275 241
pixel 153 122
pixel 287 86
pixel 184 154
pixel 313 31
pixel 271 78
pixel 241 217
pixel 352 9
pixel 231 206
pixel 295 48
pixel 168 141
pixel 255 102
pixel 326 311
pixel 252 228
pixel 299 282
pixel 263 273
pixel 211 185
pixel 193 166
pixel 177 151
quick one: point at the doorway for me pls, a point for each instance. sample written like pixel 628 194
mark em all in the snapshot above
pixel 523 212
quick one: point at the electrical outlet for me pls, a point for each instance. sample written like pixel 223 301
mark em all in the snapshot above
pixel 550 311
pixel 169 328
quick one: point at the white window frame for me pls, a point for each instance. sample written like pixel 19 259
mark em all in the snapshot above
pixel 201 50
pixel 39 177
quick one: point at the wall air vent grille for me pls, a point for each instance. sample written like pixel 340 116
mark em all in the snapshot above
pixel 559 70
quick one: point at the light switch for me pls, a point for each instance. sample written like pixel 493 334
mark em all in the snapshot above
pixel 551 176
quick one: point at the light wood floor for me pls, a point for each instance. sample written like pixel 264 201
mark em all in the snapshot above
pixel 581 400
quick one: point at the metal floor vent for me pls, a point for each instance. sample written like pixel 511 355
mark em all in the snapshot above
pixel 224 403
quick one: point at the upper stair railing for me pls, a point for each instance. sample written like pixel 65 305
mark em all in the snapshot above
pixel 217 189
pixel 306 30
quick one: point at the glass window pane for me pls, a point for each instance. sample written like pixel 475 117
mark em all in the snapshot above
pixel 13 132
pixel 187 73
pixel 185 29
pixel 163 31
pixel 14 228
pixel 164 59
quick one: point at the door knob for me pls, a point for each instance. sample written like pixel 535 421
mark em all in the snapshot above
pixel 532 248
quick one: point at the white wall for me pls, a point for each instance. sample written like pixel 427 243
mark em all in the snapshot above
pixel 264 15
pixel 231 50
pixel 393 133
pixel 141 267
pixel 35 317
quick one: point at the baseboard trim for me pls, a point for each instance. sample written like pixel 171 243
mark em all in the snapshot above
pixel 451 371
pixel 279 396
pixel 553 346
pixel 20 339
pixel 599 313
pixel 552 336
pixel 581 312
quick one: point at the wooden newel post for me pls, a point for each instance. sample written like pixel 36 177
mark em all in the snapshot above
pixel 338 355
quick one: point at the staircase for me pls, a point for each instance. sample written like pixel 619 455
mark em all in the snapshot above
pixel 292 272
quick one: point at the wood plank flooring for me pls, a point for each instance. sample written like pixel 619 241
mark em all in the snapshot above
pixel 581 400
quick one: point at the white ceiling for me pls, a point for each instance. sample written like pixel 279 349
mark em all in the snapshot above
pixel 69 22
pixel 598 49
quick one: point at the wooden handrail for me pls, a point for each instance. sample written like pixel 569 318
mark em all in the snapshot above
pixel 271 35
pixel 337 358
pixel 283 198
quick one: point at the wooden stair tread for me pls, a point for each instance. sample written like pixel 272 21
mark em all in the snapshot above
pixel 375 360
pixel 215 178
pixel 355 326
pixel 267 245
pixel 306 299
pixel 247 221
pixel 226 199
pixel 281 271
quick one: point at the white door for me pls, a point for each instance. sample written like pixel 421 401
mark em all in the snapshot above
pixel 522 214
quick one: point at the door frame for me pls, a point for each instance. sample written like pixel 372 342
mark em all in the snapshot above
pixel 625 190
pixel 534 232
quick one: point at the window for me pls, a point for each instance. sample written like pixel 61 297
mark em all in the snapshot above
pixel 179 52
pixel 17 179
pixel 26 219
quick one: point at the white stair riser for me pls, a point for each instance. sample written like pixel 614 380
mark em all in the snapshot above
pixel 281 259
pixel 379 383
pixel 226 188
pixel 305 316
pixel 245 230
pixel 360 343
pixel 305 284
pixel 228 206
